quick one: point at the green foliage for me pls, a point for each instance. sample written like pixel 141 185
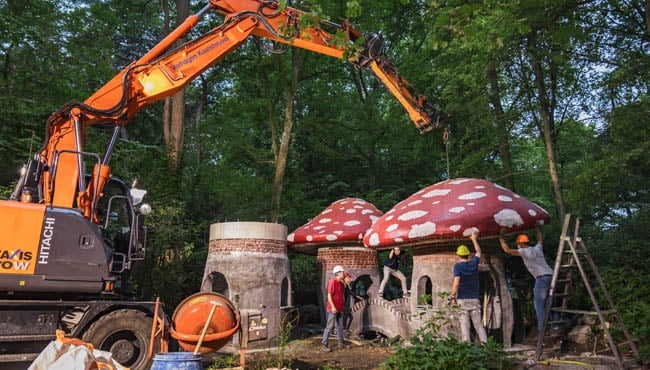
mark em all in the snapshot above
pixel 428 352
pixel 226 362
pixel 629 288
pixel 305 278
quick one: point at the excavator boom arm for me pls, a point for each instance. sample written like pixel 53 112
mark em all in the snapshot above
pixel 157 75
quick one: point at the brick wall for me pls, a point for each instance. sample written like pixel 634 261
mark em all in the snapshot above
pixel 435 258
pixel 449 257
pixel 226 246
pixel 349 257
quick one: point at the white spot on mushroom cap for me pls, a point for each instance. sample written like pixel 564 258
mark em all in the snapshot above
pixel 366 211
pixel 415 202
pixel 352 223
pixel 389 218
pixel 457 209
pixel 290 237
pixel 331 237
pixel 508 218
pixel 412 215
pixel 350 210
pixel 454 228
pixel 532 212
pixel 337 232
pixel 459 181
pixel 325 220
pixel 421 230
pixel 398 240
pixel 504 198
pixel 309 238
pixel 436 193
pixel 326 211
pixel 473 195
pixel 392 227
pixel 373 240
pixel 319 227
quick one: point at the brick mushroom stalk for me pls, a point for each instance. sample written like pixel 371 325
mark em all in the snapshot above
pixel 453 209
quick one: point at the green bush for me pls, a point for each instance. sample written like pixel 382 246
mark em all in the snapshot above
pixel 427 351
pixel 628 289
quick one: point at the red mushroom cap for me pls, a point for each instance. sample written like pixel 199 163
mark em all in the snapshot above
pixel 345 220
pixel 453 209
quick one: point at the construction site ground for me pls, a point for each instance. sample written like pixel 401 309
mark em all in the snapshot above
pixel 305 353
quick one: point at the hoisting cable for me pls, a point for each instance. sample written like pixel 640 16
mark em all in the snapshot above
pixel 445 140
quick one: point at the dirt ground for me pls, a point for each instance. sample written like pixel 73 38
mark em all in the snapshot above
pixel 305 353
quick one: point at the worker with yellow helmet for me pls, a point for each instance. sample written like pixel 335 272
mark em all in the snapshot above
pixel 465 291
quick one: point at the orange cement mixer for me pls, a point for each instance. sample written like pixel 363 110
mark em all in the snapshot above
pixel 205 320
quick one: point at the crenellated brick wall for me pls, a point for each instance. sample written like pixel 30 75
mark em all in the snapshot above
pixel 227 246
pixel 350 257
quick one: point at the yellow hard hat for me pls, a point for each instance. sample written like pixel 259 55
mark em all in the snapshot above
pixel 462 250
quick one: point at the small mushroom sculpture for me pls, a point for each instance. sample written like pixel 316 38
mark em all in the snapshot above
pixel 453 209
pixel 342 222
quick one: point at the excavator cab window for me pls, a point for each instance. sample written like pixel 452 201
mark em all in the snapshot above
pixel 115 217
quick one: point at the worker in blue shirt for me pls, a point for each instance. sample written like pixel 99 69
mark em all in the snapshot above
pixel 465 291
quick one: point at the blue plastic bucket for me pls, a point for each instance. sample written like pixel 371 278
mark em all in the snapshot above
pixel 177 361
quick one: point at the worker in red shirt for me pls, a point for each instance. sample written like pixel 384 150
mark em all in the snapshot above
pixel 335 306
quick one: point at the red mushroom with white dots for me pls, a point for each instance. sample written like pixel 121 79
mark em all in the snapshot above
pixel 453 209
pixel 343 222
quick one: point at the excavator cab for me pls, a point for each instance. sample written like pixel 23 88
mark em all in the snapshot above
pixel 122 225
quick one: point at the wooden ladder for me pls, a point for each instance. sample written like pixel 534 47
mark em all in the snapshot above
pixel 573 255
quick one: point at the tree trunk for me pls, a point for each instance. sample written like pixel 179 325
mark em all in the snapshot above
pixel 547 129
pixel 502 131
pixel 167 102
pixel 281 159
pixel 176 123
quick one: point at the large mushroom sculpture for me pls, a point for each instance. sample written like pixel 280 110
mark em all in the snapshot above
pixel 343 222
pixel 453 209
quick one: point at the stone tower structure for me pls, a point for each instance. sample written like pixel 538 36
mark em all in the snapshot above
pixel 247 263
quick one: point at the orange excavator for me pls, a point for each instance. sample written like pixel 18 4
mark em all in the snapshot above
pixel 70 238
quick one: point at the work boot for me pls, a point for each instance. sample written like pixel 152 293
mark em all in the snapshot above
pixel 343 345
pixel 326 348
